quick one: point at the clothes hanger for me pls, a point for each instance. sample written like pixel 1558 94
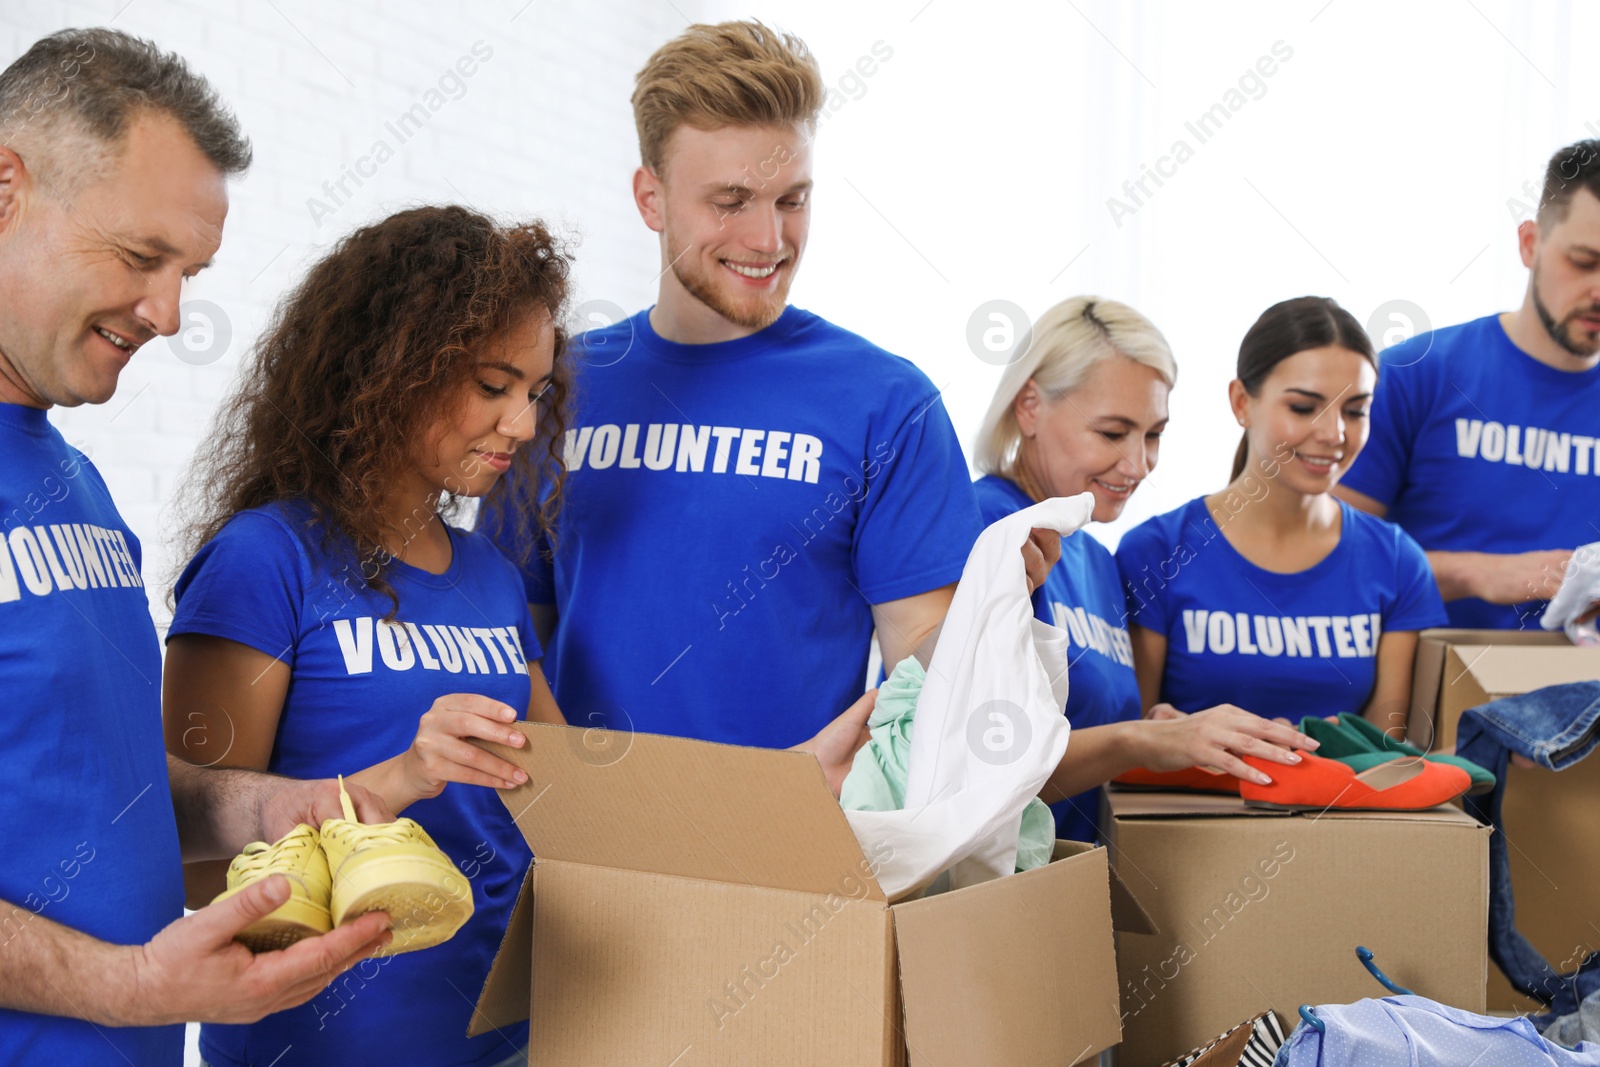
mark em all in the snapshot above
pixel 1363 954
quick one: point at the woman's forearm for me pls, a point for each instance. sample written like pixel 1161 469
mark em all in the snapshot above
pixel 389 780
pixel 1094 756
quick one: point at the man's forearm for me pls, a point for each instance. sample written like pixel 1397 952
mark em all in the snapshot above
pixel 924 650
pixel 218 808
pixel 1454 573
pixel 910 626
pixel 52 969
pixel 1500 577
pixel 908 638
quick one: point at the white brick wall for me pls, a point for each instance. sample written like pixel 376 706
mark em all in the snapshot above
pixel 543 128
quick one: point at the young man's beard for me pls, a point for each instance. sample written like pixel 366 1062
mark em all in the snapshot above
pixel 1559 331
pixel 758 316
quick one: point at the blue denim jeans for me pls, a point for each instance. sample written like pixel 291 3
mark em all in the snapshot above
pixel 1554 727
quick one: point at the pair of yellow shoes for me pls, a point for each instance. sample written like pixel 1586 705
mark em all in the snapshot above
pixel 348 869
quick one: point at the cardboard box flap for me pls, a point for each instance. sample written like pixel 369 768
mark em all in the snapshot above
pixel 1127 914
pixel 1506 670
pixel 670 805
pixel 1460 669
pixel 1017 971
pixel 508 991
pixel 1452 636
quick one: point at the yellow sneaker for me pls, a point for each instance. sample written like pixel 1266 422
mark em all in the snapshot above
pixel 394 867
pixel 298 856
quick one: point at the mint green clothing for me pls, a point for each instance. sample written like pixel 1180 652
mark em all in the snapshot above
pixel 877 779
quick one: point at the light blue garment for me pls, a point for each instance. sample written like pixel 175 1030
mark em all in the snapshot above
pixel 1414 1031
pixel 877 778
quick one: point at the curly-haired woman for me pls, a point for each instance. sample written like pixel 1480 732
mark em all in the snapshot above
pixel 331 621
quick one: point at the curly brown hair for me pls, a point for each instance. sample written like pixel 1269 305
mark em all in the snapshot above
pixel 363 357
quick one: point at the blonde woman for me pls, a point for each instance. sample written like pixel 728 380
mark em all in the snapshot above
pixel 1083 410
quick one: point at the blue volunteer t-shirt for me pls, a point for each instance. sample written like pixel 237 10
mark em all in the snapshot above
pixel 731 513
pixel 359 684
pixel 1083 596
pixel 1478 447
pixel 86 810
pixel 1275 644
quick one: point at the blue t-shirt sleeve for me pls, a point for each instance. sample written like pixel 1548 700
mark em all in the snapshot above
pixel 1417 604
pixel 919 519
pixel 991 508
pixel 1139 557
pixel 529 552
pixel 1380 469
pixel 246 584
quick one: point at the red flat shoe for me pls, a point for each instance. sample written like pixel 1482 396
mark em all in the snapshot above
pixel 1318 784
pixel 1189 778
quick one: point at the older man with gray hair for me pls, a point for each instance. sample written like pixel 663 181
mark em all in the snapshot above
pixel 114 160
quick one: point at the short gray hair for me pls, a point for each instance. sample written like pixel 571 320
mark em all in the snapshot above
pixel 98 79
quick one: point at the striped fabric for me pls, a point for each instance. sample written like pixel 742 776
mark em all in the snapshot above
pixel 1267 1037
pixel 1253 1043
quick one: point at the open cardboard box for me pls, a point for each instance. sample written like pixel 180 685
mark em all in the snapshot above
pixel 1460 669
pixel 694 903
pixel 1549 818
pixel 1263 908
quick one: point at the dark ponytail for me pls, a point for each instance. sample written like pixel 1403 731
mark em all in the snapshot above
pixel 1240 454
pixel 1288 328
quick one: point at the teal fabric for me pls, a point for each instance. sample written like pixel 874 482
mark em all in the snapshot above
pixel 1482 779
pixel 877 779
pixel 1360 745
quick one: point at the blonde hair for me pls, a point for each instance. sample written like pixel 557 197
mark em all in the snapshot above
pixel 1058 352
pixel 730 74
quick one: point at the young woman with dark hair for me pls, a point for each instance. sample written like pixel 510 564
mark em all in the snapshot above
pixel 1272 594
pixel 332 621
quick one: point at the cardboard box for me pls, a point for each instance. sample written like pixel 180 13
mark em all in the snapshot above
pixel 1549 818
pixel 1460 669
pixel 696 904
pixel 1264 909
